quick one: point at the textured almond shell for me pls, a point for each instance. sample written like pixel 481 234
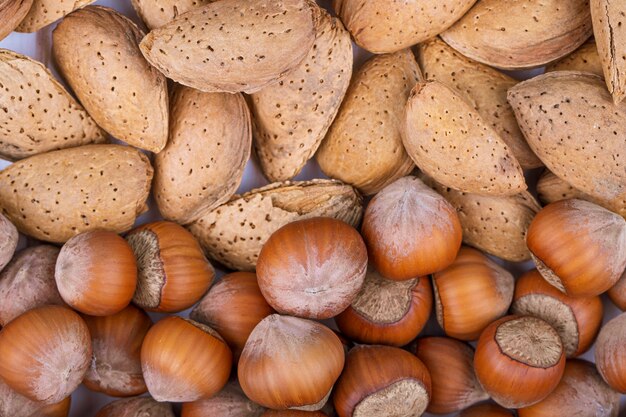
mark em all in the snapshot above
pixel 292 116
pixel 203 162
pixel 12 12
pixel 570 122
pixel 235 232
pixel 364 146
pixel 233 45
pixel 452 143
pixel 483 87
pixel 389 26
pixel 39 115
pixel 97 52
pixel 609 17
pixel 519 34
pixel 44 12
pixel 60 194
pixel 585 59
pixel 156 13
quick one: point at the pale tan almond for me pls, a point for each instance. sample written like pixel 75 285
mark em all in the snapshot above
pixel 585 59
pixel 364 146
pixel 156 13
pixel 44 12
pixel 12 12
pixel 292 116
pixel 609 30
pixel 235 232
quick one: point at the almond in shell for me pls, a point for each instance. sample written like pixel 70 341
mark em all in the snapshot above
pixel 609 30
pixel 292 116
pixel 364 146
pixel 389 26
pixel 450 142
pixel 97 51
pixel 156 13
pixel 481 86
pixel 572 125
pixel 12 12
pixel 203 162
pixel 518 34
pixel 39 114
pixel 585 59
pixel 44 12
pixel 59 194
pixel 233 45
pixel 235 232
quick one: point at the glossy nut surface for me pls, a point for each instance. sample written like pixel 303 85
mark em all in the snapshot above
pixel 610 354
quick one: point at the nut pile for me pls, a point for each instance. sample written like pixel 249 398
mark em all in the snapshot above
pixel 389 288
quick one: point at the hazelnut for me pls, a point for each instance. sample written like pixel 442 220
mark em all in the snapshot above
pixel 293 413
pixel 610 353
pixel 136 407
pixel 8 240
pixel 173 271
pixel 486 410
pixel 96 273
pixel 578 247
pixel 312 268
pixel 229 402
pixel 410 230
pixel 387 312
pixel 617 293
pixel 13 404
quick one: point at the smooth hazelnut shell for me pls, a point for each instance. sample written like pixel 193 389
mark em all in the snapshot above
pixel 586 312
pixel 617 293
pixel 293 413
pixel 13 404
pixel 173 273
pixel 410 230
pixel 511 382
pixel 581 243
pixel 289 362
pixel 581 392
pixel 116 365
pixel 450 364
pixel 45 353
pixel 610 353
pixel 96 273
pixel 471 293
pixel 399 317
pixel 233 307
pixel 229 402
pixel 184 361
pixel 312 268
pixel 28 282
pixel 136 407
pixel 486 410
pixel 371 369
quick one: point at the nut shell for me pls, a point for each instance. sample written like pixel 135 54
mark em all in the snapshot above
pixel 486 410
pixel 9 238
pixel 12 12
pixel 136 407
pixel 229 402
pixel 156 13
pixel 610 36
pixel 610 355
pixel 617 293
pixel 44 12
pixel 585 59
pixel 14 405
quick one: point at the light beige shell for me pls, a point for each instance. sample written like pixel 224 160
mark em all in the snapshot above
pixel 44 12
pixel 59 194
pixel 97 52
pixel 233 45
pixel 9 238
pixel 292 116
pixel 203 162
pixel 609 30
pixel 235 232
pixel 364 146
pixel 383 26
pixel 585 59
pixel 496 225
pixel 450 142
pixel 39 115
pixel 571 123
pixel 482 87
pixel 156 13
pixel 517 34
pixel 12 12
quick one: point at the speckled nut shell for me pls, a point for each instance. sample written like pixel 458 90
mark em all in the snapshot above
pixel 13 404
pixel 578 247
pixel 136 407
pixel 44 12
pixel 585 59
pixel 8 241
pixel 12 12
pixel 229 402
pixel 156 13
pixel 610 354
pixel 410 230
pixel 610 36
pixel 382 381
pixel 519 360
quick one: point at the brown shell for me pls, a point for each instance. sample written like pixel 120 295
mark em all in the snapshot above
pixel 136 407
pixel 570 122
pixel 9 238
pixel 233 45
pixel 156 13
pixel 520 33
pixel 496 225
pixel 229 402
pixel 44 12
pixel 39 114
pixel 364 146
pixel 292 116
pixel 483 87
pixel 585 59
pixel 12 12
pixel 389 26
pixel 609 30
pixel 13 404
pixel 59 194
pixel 203 162
pixel 97 52
pixel 235 232
pixel 453 144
